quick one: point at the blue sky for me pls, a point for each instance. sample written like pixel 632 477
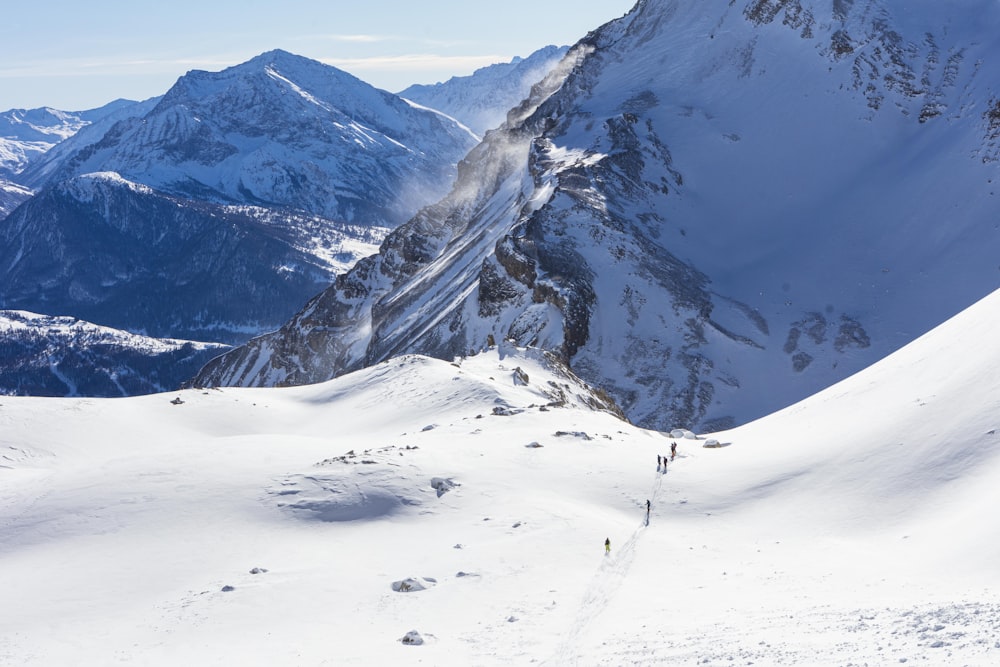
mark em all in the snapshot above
pixel 75 56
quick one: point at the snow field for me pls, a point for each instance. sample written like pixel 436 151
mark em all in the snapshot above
pixel 276 526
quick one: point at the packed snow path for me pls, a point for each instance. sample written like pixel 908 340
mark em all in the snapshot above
pixel 606 582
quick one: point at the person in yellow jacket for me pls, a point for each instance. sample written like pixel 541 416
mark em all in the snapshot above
pixel 607 545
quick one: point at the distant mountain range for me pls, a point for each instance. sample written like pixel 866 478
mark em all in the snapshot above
pixel 59 356
pixel 28 134
pixel 710 210
pixel 219 211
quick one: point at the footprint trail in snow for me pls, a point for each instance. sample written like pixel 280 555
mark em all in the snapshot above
pixel 606 582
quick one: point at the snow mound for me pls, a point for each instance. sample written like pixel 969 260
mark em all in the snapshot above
pixel 346 495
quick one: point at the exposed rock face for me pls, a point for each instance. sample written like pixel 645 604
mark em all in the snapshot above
pixel 342 328
pixel 711 210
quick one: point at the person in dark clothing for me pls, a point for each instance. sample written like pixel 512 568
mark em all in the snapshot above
pixel 607 545
pixel 657 461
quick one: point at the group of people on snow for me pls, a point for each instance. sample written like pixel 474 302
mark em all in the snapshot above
pixel 661 461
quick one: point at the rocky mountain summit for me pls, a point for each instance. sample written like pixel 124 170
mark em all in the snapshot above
pixel 710 210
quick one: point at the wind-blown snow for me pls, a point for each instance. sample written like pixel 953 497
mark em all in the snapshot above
pixel 482 99
pixel 422 512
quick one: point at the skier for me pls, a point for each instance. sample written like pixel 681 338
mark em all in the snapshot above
pixel 607 545
pixel 657 461
pixel 673 450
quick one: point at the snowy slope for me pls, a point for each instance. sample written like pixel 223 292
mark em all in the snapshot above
pixel 278 526
pixel 719 209
pixel 481 100
pixel 12 195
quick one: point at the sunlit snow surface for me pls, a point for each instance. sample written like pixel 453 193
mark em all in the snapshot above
pixel 465 506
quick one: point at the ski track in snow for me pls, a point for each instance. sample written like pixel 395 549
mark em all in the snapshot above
pixel 610 576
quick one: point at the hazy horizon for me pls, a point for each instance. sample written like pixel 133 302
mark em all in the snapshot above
pixel 76 57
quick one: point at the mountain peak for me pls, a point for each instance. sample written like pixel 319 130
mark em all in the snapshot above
pixel 284 130
pixel 308 73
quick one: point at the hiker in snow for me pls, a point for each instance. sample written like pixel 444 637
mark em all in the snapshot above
pixel 647 507
pixel 673 450
pixel 657 461
pixel 607 545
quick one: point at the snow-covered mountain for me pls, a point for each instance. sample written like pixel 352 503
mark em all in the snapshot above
pixel 711 210
pixel 481 100
pixel 42 355
pixel 26 135
pixel 232 200
pixel 285 131
pixel 123 255
pixel 38 171
pixel 421 512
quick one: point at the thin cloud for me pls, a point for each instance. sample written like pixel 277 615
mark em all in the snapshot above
pixel 361 39
pixel 91 67
pixel 419 61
